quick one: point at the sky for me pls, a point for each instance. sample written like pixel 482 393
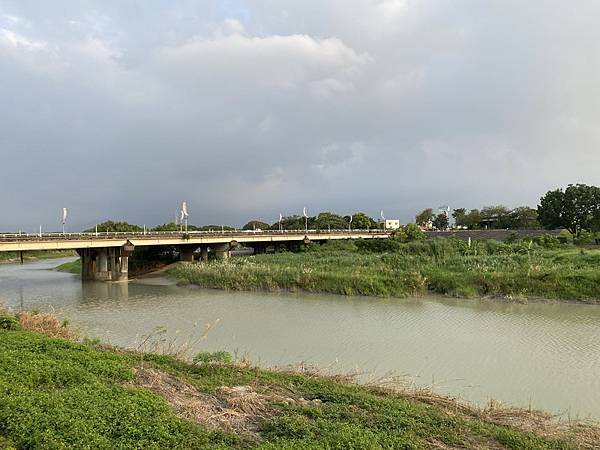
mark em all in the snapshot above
pixel 247 108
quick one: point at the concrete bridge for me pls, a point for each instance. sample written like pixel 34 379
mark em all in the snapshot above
pixel 105 256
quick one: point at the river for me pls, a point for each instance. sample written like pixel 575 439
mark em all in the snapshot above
pixel 542 355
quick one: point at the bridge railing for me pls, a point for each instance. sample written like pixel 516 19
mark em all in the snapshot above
pixel 7 237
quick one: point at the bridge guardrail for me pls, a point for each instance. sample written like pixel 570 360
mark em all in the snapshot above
pixel 10 237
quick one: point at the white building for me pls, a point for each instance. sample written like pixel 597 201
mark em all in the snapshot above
pixel 392 224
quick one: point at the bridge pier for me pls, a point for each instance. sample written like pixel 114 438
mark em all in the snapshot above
pixel 204 253
pixel 105 264
pixel 186 253
pixel 223 251
pixel 102 273
pixel 260 248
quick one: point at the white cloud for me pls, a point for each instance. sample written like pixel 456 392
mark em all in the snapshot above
pixel 274 62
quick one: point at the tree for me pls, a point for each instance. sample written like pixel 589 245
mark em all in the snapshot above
pixel 523 217
pixel 112 227
pixel 256 225
pixel 409 233
pixel 294 223
pixel 460 217
pixel 172 226
pixel 424 216
pixel 577 208
pixel 328 220
pixel 495 217
pixel 361 221
pixel 441 221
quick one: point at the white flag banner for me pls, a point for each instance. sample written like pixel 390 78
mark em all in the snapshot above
pixel 184 210
pixel 350 219
pixel 304 212
pixel 381 214
pixel 182 216
pixel 64 216
pixel 280 217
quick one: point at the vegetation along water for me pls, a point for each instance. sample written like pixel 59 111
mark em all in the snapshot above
pixel 60 391
pixel 394 267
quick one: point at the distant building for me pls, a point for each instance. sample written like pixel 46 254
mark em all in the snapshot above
pixel 392 224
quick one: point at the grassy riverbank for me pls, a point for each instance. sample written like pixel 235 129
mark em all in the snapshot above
pixel 59 392
pixel 443 266
pixel 70 267
pixel 11 257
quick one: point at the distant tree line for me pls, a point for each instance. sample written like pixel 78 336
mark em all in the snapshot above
pixel 575 208
pixel 322 221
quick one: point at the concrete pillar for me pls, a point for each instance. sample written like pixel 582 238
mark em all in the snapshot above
pixel 204 253
pixel 186 253
pixel 260 248
pixel 102 272
pixel 88 263
pixel 119 264
pixel 221 251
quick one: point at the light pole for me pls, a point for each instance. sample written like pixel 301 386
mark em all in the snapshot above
pixel 64 219
pixel 382 220
pixel 280 219
pixel 184 215
pixel 305 219
pixel 350 224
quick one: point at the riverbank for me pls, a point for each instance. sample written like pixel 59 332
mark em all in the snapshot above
pixel 516 272
pixel 60 391
pixel 12 257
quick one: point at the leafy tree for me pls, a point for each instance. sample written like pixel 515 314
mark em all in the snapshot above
pixel 328 220
pixel 460 217
pixel 256 225
pixel 361 221
pixel 172 226
pixel 409 233
pixel 112 227
pixel 550 209
pixel 441 222
pixel 523 217
pixel 577 208
pixel 424 216
pixel 294 223
pixel 473 219
pixel 496 217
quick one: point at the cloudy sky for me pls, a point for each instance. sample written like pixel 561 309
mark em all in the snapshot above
pixel 245 108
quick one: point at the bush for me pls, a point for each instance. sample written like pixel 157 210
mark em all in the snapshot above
pixel 409 233
pixel 9 323
pixel 547 241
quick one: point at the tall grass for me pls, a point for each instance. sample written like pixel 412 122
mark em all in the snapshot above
pixel 443 266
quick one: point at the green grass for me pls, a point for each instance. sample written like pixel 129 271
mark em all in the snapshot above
pixel 448 267
pixel 35 255
pixel 70 267
pixel 61 394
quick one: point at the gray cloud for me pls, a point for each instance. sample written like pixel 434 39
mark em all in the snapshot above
pixel 247 108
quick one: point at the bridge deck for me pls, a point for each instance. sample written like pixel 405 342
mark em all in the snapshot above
pixel 70 241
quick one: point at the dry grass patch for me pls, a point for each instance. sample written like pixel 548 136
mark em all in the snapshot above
pixel 238 409
pixel 46 323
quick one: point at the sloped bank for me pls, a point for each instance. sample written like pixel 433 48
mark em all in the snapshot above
pixel 57 391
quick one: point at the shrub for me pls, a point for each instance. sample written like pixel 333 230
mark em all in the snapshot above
pixel 9 323
pixel 547 241
pixel 409 233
